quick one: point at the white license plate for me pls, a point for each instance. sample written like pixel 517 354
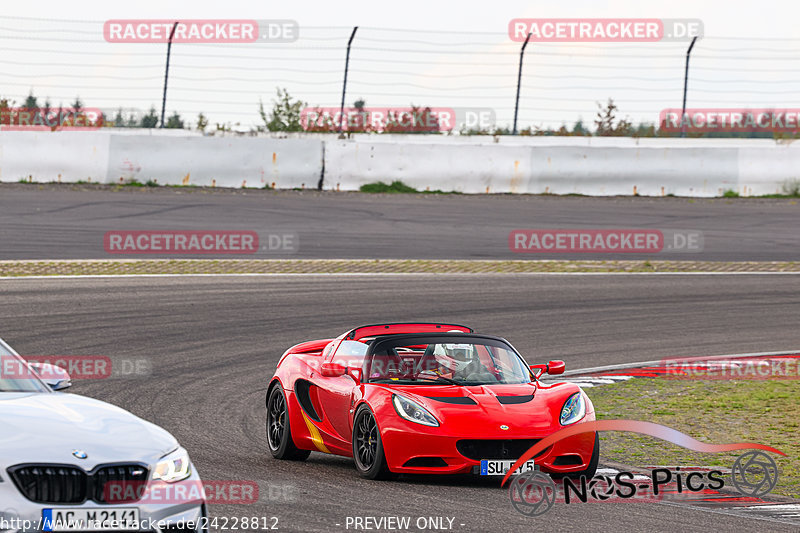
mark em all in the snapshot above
pixel 114 519
pixel 496 467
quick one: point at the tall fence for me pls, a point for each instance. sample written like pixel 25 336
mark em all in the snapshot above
pixel 560 83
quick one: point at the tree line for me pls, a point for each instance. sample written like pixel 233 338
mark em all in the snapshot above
pixel 287 115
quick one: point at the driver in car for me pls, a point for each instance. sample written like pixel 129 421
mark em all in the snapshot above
pixel 461 362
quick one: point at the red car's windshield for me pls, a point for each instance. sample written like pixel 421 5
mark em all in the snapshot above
pixel 469 362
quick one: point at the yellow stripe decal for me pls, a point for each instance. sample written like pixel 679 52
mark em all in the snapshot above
pixel 316 438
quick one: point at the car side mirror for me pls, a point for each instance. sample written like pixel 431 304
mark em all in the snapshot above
pixel 355 373
pixel 555 367
pixel 56 377
pixel 332 370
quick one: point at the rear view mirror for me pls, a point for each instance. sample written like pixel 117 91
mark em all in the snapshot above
pixel 555 367
pixel 552 367
pixel 55 376
pixel 332 370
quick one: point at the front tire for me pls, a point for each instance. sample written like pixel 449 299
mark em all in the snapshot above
pixel 279 433
pixel 368 446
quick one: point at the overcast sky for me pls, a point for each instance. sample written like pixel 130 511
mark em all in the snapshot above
pixel 748 58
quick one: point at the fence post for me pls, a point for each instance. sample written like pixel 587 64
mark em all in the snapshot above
pixel 685 83
pixel 344 85
pixel 166 73
pixel 519 82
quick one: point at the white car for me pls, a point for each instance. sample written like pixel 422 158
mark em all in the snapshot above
pixel 69 463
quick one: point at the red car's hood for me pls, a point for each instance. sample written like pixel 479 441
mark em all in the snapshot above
pixel 493 411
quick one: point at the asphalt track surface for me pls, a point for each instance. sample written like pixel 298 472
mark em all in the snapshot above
pixel 68 222
pixel 214 341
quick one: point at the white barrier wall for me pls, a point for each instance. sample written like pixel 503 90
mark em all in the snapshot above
pixel 103 157
pixel 45 156
pixel 762 168
pixel 627 171
pixel 598 171
pixel 217 162
pixel 536 165
pixel 468 169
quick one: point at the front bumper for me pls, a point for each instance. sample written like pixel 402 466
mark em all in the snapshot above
pixel 432 451
pixel 20 515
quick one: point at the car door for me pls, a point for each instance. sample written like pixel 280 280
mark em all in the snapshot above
pixel 337 394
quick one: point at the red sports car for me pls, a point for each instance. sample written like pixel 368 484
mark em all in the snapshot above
pixel 424 399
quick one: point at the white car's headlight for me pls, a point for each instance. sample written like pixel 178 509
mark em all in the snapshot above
pixel 413 412
pixel 173 467
pixel 574 409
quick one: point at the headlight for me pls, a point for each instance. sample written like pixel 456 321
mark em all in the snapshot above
pixel 413 412
pixel 574 409
pixel 173 467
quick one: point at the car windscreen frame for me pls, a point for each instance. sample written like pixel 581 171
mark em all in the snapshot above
pixel 393 341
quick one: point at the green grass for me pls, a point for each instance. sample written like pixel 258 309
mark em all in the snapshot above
pixel 136 183
pixel 381 187
pixel 790 189
pixel 398 187
pixel 716 411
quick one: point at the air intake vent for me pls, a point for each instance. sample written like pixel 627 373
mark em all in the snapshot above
pixel 495 449
pixel 50 483
pixel 457 400
pixel 568 460
pixel 515 399
pixel 66 484
pixel 124 476
pixel 426 462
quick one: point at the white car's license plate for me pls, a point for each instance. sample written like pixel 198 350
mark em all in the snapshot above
pixel 114 519
pixel 497 467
